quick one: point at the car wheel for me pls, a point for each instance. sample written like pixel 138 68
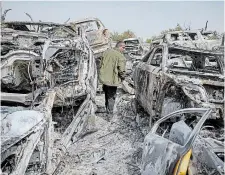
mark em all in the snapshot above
pixel 140 114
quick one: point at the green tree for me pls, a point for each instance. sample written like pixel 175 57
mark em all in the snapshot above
pixel 148 40
pixel 115 36
pixel 128 34
pixel 177 28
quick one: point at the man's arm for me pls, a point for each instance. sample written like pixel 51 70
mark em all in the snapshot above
pixel 121 67
pixel 100 60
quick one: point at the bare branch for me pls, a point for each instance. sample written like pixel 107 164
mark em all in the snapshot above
pixel 185 28
pixel 29 16
pixel 67 21
pixel 4 14
pixel 206 25
pixel 30 19
pixel 189 28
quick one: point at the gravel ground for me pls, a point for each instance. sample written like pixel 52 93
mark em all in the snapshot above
pixel 114 149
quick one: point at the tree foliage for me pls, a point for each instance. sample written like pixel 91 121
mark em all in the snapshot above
pixel 148 40
pixel 125 35
pixel 177 28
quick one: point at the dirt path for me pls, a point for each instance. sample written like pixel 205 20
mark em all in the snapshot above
pixel 114 149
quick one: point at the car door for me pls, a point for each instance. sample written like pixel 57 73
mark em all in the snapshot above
pixel 154 80
pixel 148 76
pixel 139 78
pixel 170 153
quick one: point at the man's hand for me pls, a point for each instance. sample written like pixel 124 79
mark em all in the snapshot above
pixel 121 67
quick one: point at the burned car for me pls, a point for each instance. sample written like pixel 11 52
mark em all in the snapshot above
pixel 133 46
pixel 27 57
pixel 188 38
pixel 47 95
pixel 172 77
pixel 97 35
pixel 184 142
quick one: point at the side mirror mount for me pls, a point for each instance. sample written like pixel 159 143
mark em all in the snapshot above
pixel 156 61
pixel 105 32
pixel 153 62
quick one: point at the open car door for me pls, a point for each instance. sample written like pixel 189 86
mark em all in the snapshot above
pixel 167 148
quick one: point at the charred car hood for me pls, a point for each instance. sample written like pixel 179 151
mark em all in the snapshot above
pixel 201 88
pixel 196 78
pixel 18 124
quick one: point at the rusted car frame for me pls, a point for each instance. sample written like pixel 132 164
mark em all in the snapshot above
pixel 61 73
pixel 15 79
pixel 172 77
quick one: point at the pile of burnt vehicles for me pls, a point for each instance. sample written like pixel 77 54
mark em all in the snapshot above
pixel 180 84
pixel 207 40
pixel 48 87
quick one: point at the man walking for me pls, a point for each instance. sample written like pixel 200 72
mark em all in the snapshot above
pixel 112 73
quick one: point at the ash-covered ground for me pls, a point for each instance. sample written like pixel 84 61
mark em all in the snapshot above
pixel 116 146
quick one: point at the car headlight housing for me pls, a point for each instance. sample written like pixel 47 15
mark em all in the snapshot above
pixel 196 93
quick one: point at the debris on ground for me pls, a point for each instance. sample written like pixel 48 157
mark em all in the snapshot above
pixel 116 147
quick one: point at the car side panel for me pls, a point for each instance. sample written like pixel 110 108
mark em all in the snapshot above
pixel 146 83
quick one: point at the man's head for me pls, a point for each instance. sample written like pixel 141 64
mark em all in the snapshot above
pixel 121 46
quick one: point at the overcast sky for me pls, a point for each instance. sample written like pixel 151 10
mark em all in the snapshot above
pixel 144 18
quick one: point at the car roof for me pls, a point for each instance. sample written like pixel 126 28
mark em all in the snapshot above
pixel 188 49
pixel 34 23
pixel 89 19
pixel 174 32
pixel 183 31
pixel 86 20
pixel 130 39
pixel 207 32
